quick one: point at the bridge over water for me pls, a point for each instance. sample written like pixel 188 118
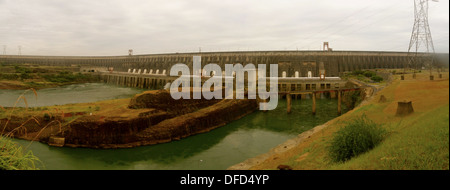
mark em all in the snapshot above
pixel 288 87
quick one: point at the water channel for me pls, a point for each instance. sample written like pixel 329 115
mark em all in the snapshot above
pixel 235 142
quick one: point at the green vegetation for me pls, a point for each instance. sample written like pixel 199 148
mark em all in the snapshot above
pixel 12 156
pixel 9 76
pixel 23 76
pixel 65 76
pixel 376 78
pixel 46 117
pixel 365 76
pixel 419 141
pixel 357 137
pixel 415 143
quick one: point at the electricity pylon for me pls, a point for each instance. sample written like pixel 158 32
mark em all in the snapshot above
pixel 421 48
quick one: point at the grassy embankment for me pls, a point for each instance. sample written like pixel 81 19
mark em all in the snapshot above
pixel 25 76
pixel 416 141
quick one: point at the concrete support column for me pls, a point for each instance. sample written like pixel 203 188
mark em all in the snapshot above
pixel 288 102
pixel 314 103
pixel 265 101
pixel 339 102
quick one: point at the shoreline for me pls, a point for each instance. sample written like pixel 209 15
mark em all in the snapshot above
pixel 19 85
pixel 302 137
pixel 308 151
pixel 125 123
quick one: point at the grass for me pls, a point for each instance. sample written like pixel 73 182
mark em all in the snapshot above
pixel 24 76
pixel 13 157
pixel 419 141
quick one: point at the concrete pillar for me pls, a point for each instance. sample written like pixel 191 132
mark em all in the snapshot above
pixel 150 83
pixel 333 95
pixel 339 102
pixel 288 102
pixel 314 103
pixel 265 101
pixel 303 96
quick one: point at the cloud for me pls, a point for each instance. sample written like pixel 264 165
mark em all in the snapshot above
pixel 111 27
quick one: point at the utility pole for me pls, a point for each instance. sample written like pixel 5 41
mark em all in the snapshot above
pixel 421 48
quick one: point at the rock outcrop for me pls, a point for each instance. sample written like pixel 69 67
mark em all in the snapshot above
pixel 155 118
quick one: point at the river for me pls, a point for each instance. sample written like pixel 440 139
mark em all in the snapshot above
pixel 219 149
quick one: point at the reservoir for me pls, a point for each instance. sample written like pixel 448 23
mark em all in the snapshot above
pixel 218 149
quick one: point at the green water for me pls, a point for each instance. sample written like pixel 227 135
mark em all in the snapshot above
pixel 221 148
pixel 70 94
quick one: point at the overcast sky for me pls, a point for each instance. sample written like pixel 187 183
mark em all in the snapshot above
pixel 111 27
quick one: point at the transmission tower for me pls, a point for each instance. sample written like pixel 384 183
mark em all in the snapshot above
pixel 4 49
pixel 20 50
pixel 421 48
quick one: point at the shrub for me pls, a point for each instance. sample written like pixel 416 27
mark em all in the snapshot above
pixel 21 69
pixel 10 76
pixel 47 117
pixel 357 137
pixel 377 78
pixel 369 73
pixel 25 75
pixel 357 72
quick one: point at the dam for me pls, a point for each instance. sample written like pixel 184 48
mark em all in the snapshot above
pixel 301 74
pixel 290 63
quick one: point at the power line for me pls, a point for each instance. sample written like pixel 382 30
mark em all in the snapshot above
pixel 420 36
pixel 358 20
pixel 334 23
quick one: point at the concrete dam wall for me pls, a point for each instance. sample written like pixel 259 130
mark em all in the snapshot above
pixel 297 63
